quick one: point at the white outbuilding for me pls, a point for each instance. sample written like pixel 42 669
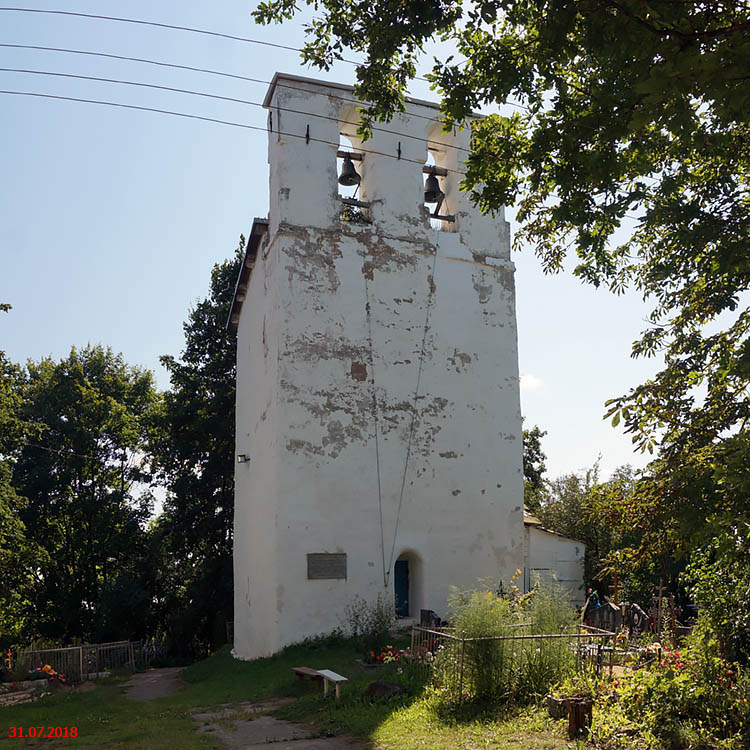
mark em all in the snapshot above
pixel 549 557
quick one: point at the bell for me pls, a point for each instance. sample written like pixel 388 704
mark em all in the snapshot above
pixel 432 191
pixel 348 176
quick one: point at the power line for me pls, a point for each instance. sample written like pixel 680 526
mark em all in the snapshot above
pixel 250 79
pixel 194 30
pixel 61 452
pixel 146 61
pixel 175 27
pixel 224 74
pixel 133 106
pixel 134 59
pixel 214 120
pixel 247 102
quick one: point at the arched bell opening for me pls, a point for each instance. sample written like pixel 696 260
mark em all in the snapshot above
pixel 408 584
pixel 438 185
pixel 346 168
pixel 354 208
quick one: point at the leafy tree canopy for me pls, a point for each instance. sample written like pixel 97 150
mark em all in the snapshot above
pixel 195 455
pixel 629 148
pixel 18 556
pixel 84 480
pixel 578 505
pixel 533 467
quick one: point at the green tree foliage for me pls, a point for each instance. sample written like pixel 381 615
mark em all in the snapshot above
pixel 719 581
pixel 82 475
pixel 533 468
pixel 15 551
pixel 568 510
pixel 579 505
pixel 196 458
pixel 17 555
pixel 630 147
pixel 17 561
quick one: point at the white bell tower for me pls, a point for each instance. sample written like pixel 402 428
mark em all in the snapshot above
pixel 377 377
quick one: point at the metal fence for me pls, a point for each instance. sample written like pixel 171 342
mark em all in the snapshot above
pixel 79 663
pixel 465 666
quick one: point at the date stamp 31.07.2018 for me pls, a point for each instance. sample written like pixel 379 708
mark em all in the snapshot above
pixel 42 732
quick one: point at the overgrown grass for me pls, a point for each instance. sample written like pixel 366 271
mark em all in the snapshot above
pixel 106 718
pixel 493 664
pixel 411 722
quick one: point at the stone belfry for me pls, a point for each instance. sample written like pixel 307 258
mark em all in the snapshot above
pixel 378 421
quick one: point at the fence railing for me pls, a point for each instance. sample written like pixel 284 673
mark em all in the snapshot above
pixel 79 663
pixel 463 664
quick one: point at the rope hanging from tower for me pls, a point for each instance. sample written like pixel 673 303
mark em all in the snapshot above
pixel 428 306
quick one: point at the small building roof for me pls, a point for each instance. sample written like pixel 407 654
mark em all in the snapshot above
pixel 258 230
pixel 533 522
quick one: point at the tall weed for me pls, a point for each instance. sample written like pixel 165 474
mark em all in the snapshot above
pixel 492 664
pixel 369 624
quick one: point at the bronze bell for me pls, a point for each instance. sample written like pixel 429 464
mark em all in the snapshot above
pixel 432 191
pixel 349 175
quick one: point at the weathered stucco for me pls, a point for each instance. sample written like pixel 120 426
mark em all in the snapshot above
pixel 336 313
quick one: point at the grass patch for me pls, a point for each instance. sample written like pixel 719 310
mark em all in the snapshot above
pixel 104 718
pixel 418 720
pixel 107 719
pixel 415 723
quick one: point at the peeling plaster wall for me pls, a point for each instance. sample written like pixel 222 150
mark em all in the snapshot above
pixel 461 515
pixel 256 483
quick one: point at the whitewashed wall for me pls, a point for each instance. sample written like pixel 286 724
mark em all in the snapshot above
pixel 552 557
pixel 307 369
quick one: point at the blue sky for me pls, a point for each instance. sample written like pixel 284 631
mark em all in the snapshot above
pixel 111 219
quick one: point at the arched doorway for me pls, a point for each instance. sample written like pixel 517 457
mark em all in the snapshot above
pixel 407 584
pixel 401 587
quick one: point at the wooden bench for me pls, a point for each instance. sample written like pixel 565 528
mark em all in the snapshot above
pixel 306 672
pixel 336 679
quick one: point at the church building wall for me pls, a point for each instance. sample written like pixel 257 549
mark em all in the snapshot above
pixel 337 312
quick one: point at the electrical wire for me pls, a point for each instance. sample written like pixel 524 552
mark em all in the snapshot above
pixel 133 106
pixel 214 120
pixel 174 27
pixel 59 452
pixel 194 30
pixel 224 98
pixel 250 79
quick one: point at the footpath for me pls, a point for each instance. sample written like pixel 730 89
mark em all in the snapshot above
pixel 243 726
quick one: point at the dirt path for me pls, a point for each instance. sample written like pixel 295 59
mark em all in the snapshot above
pixel 248 727
pixel 155 683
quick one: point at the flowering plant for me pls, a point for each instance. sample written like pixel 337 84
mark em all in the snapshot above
pixel 692 691
pixel 390 654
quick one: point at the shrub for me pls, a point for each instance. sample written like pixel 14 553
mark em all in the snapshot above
pixel 487 669
pixel 692 698
pixel 368 624
pixel 719 581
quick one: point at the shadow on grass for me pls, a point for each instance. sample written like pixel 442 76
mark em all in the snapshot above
pixel 105 717
pixel 419 718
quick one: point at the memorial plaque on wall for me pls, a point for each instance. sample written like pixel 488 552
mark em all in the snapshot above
pixel 325 565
